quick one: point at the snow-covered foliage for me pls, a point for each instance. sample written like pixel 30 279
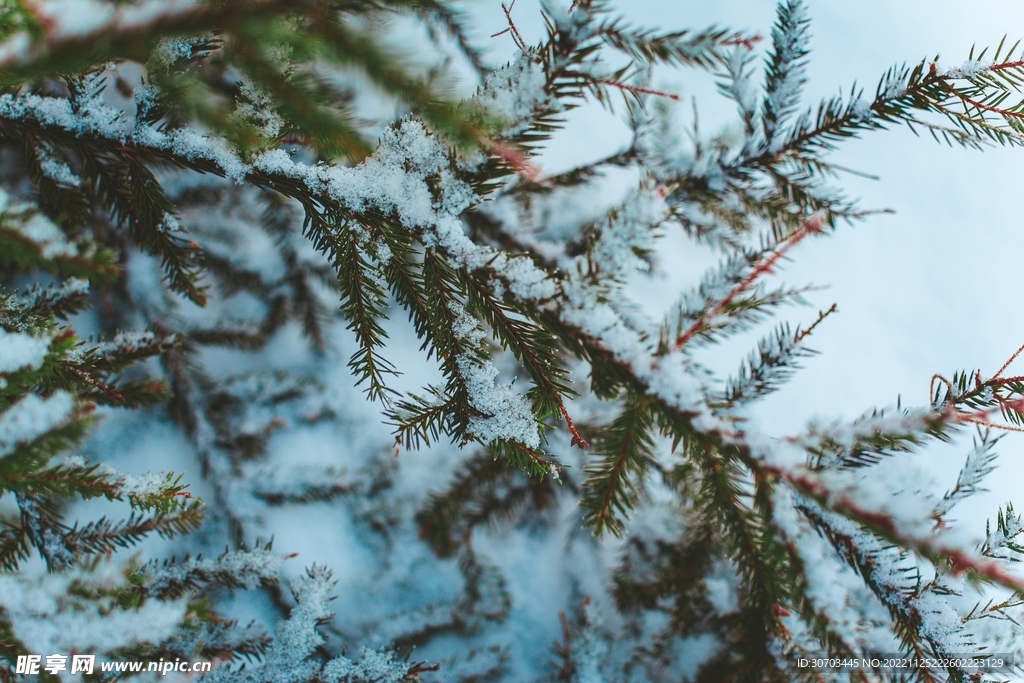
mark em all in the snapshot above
pixel 576 494
pixel 79 611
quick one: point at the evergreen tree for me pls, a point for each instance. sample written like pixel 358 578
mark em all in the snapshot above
pixel 200 210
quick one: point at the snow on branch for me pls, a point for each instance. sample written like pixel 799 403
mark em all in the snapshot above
pixel 786 73
pixel 71 27
pixel 1002 543
pixel 152 489
pixel 893 577
pixel 57 613
pixel 58 299
pixel 503 414
pixel 979 463
pixel 892 519
pixel 21 221
pixel 19 351
pixel 33 417
pixel 290 658
pixel 246 569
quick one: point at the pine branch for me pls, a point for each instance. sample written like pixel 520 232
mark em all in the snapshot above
pixel 979 463
pixel 172 579
pixel 882 524
pixel 364 299
pixel 486 493
pixel 103 536
pixel 705 49
pixel 785 75
pixel 811 226
pixel 766 369
pixel 128 34
pixel 626 449
pixel 532 346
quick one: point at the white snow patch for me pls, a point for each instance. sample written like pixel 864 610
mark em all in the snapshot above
pixel 31 418
pixel 19 351
pixel 46 618
pixel 514 93
pixel 506 414
pixel 969 69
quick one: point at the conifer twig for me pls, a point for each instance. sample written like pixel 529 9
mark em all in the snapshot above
pixel 577 439
pixel 1009 361
pixel 959 559
pixel 811 225
pixel 821 317
pixel 516 37
pixel 636 89
pixel 105 388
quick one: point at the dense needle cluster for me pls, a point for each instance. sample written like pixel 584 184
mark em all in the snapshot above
pixel 198 209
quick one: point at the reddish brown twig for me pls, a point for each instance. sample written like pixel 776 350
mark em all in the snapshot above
pixel 746 41
pixel 516 37
pixel 1006 65
pixel 931 386
pixel 991 425
pixel 992 67
pixel 959 559
pixel 420 668
pixel 577 439
pixel 638 89
pixel 982 417
pixel 1008 113
pixel 537 459
pixel 105 388
pixel 1009 361
pixel 515 159
pixel 811 225
pixel 821 316
pixel 996 381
